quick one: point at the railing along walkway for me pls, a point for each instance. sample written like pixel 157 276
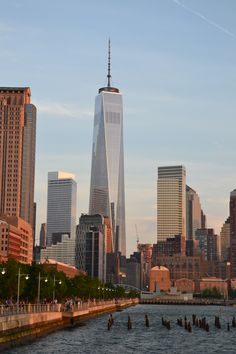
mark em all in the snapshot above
pixel 69 306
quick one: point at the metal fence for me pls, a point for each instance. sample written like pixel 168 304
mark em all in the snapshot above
pixel 68 306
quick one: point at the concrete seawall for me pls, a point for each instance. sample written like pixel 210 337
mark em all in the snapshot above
pixel 22 328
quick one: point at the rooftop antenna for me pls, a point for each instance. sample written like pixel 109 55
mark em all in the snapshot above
pixel 109 64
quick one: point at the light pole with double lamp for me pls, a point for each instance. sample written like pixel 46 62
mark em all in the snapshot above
pixel 39 285
pixel 19 275
pixel 54 287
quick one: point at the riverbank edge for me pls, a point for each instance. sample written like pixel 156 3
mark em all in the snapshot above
pixel 27 334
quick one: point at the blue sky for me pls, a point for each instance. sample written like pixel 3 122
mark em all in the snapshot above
pixel 174 62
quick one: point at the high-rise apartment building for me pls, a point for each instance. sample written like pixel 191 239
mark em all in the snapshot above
pixel 232 209
pixel 193 213
pixel 17 153
pixel 61 206
pixel 107 194
pixel 171 202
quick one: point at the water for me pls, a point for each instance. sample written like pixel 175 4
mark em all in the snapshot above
pixel 93 336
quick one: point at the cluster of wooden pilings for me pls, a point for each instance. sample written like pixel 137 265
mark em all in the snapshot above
pixel 200 322
pixel 165 323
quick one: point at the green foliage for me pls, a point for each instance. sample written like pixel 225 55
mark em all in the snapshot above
pixel 213 293
pixel 81 286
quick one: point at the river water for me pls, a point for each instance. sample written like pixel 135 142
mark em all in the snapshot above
pixel 93 336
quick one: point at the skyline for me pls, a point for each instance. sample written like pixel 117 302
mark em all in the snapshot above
pixel 167 84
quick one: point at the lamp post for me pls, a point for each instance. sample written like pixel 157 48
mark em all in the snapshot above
pixel 3 271
pixel 39 285
pixel 54 284
pixel 18 286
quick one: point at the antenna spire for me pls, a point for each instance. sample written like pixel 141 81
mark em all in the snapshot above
pixel 109 64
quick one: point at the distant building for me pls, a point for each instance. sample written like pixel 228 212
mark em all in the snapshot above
pixel 185 285
pixel 192 248
pixel 225 241
pixel 133 271
pixel 208 243
pixel 193 213
pixel 233 233
pixel 37 254
pixel 171 246
pixel 182 266
pixel 61 205
pixel 159 279
pixel 63 251
pixel 144 256
pixel 16 239
pixel 92 234
pixel 171 202
pixel 113 268
pixel 43 235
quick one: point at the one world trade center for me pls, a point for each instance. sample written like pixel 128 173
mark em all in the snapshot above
pixel 107 193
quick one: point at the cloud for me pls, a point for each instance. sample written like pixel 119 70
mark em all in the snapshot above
pixel 206 19
pixel 62 109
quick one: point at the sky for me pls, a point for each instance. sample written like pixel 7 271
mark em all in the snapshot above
pixel 173 61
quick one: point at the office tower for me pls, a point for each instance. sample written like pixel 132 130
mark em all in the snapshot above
pixel 43 235
pixel 92 234
pixel 232 208
pixel 212 245
pixel 225 240
pixel 208 243
pixel 171 202
pixel 193 213
pixel 61 206
pixel 17 153
pixel 107 195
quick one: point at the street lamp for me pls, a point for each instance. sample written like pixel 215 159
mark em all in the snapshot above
pixel 39 285
pixel 18 285
pixel 3 271
pixel 54 284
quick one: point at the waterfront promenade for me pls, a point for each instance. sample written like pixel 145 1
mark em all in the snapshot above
pixel 92 336
pixel 19 324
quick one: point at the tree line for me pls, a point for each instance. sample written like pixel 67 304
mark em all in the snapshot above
pixel 51 281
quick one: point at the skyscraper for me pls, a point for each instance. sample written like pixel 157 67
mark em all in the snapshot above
pixel 61 206
pixel 232 209
pixel 17 153
pixel 193 213
pixel 107 194
pixel 171 202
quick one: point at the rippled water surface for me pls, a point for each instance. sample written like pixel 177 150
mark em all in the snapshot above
pixel 93 336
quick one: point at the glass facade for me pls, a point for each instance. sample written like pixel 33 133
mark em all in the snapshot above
pixel 107 195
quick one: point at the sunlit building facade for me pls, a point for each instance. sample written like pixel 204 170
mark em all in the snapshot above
pixel 171 202
pixel 61 206
pixel 107 194
pixel 193 213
